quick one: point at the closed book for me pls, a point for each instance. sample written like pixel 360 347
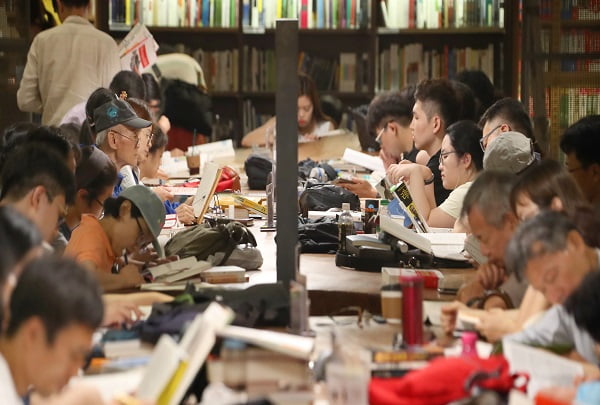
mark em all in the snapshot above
pixel 224 274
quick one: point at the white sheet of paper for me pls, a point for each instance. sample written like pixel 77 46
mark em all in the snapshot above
pixel 544 368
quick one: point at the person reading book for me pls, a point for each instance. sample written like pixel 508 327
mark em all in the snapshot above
pixel 580 143
pixel 95 177
pixel 388 119
pixel 54 310
pixel 460 161
pixel 312 122
pixel 547 186
pixel 130 223
pixel 436 108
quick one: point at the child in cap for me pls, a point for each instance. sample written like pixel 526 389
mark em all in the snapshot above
pixel 130 223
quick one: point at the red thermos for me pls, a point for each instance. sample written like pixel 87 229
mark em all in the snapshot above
pixel 412 310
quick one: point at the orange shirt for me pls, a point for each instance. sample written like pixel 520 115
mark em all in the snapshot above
pixel 89 242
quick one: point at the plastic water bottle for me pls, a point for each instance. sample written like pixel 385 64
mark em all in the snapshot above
pixel 345 227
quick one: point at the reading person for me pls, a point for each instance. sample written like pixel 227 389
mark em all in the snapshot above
pixel 311 120
pixel 130 223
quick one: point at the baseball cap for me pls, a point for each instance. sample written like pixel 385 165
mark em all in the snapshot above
pixel 511 151
pixel 117 112
pixel 151 208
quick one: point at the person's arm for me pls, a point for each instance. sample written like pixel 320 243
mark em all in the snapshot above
pixel 257 136
pixel 29 98
pixel 128 277
pixel 422 194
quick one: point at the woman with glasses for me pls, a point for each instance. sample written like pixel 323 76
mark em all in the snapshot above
pixel 461 159
pixel 130 223
pixel 95 177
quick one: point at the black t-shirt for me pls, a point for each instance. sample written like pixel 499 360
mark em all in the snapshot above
pixel 412 155
pixel 438 189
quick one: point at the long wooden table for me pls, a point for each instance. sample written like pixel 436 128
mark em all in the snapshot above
pixel 330 287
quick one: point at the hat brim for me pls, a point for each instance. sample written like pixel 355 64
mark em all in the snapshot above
pixel 158 248
pixel 136 123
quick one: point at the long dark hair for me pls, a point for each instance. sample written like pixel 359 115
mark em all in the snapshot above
pixel 307 88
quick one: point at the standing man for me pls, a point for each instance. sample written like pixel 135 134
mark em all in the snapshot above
pixel 66 63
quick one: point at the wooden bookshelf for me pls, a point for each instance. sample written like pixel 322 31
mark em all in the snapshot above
pixel 367 40
pixel 14 45
pixel 568 51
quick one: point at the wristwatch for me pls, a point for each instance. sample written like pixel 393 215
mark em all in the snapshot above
pixel 429 180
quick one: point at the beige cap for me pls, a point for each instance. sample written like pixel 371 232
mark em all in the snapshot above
pixel 511 151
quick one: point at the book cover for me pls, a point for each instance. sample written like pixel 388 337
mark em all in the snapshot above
pixel 402 192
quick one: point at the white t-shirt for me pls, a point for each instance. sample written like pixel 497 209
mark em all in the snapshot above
pixel 8 392
pixel 453 204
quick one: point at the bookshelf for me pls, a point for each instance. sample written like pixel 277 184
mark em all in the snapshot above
pixel 348 46
pixel 568 57
pixel 14 44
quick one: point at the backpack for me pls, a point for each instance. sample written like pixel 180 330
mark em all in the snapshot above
pixel 203 241
pixel 257 169
pixel 321 197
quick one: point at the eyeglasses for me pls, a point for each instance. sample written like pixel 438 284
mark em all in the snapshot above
pixel 135 139
pixel 381 131
pixel 444 154
pixel 142 238
pixel 486 136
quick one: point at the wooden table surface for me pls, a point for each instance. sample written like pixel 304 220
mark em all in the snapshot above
pixel 331 287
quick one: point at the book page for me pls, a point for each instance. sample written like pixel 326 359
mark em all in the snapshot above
pixel 544 368
pixel 210 178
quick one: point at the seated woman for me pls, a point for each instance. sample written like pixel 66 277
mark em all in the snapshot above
pixel 311 120
pixel 461 159
pixel 130 223
pixel 95 177
pixel 546 186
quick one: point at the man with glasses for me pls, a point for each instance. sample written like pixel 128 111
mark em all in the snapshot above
pixel 388 118
pixel 119 134
pixel 507 114
pixel 37 182
pixel 581 145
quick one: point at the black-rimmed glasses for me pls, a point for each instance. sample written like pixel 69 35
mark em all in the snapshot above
pixel 444 154
pixel 142 238
pixel 486 136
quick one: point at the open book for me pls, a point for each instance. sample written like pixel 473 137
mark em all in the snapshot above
pixel 177 271
pixel 362 159
pixel 407 204
pixel 545 369
pixel 447 245
pixel 210 178
pixel 173 366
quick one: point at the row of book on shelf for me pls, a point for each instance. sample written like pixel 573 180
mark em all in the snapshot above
pixel 174 13
pixel 324 14
pixel 435 14
pixel 577 10
pixel 578 41
pixel 573 103
pixel 320 14
pixel 346 72
pixel 399 66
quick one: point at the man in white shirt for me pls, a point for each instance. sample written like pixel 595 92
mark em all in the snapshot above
pixel 66 63
pixel 54 310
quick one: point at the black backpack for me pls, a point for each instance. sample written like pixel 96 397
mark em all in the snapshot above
pixel 257 169
pixel 322 197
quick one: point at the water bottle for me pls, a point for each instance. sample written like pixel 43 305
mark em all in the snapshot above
pixel 345 227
